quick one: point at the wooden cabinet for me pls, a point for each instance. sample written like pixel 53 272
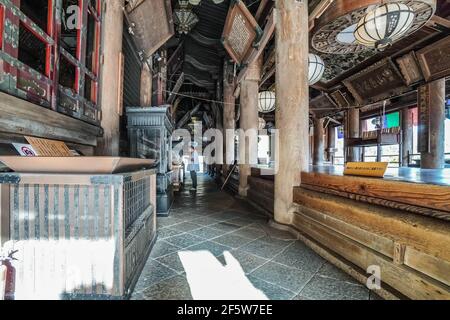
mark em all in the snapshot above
pixel 78 236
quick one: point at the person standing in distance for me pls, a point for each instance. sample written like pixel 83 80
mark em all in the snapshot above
pixel 193 166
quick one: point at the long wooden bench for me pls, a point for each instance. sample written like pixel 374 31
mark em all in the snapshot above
pixel 402 227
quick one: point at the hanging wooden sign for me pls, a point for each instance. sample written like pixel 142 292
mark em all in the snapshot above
pixel 241 32
pixel 378 82
pixel 435 60
pixel 151 24
pixel 423 103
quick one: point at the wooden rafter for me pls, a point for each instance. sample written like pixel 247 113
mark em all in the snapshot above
pixel 176 88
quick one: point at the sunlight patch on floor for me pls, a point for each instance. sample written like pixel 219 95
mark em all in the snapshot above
pixel 209 279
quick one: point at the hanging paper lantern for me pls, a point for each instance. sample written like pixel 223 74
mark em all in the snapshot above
pixel 266 101
pixel 316 68
pixel 387 23
pixel 261 123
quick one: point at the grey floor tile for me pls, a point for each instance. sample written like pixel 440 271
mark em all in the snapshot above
pixel 263 249
pixel 321 288
pixel 299 256
pixel 186 226
pixel 243 222
pixel 172 261
pixel 184 240
pixel 162 222
pixel 247 261
pixel 283 276
pixel 231 240
pixel 330 271
pixel 271 291
pixel 162 248
pixel 167 232
pixel 175 288
pixel 250 233
pixel 215 248
pixel 207 233
pixel 225 226
pixel 152 273
pixel 205 221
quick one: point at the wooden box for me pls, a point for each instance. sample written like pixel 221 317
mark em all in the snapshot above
pixel 78 236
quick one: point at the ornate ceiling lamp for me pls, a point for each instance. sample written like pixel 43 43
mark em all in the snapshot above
pixel 383 25
pixel 266 101
pixel 316 68
pixel 184 18
pixel 335 30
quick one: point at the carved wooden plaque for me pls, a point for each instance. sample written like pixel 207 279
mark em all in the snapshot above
pixel 151 24
pixel 240 33
pixel 378 82
pixel 423 102
pixel 435 60
pixel 410 68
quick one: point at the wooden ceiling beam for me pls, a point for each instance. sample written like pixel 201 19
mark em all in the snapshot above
pixel 318 11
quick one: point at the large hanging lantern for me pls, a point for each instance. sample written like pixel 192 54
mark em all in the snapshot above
pixel 316 68
pixel 387 23
pixel 184 18
pixel 266 101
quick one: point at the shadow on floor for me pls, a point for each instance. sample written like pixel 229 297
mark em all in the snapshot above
pixel 214 246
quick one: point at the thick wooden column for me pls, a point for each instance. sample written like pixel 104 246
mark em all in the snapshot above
pixel 146 85
pixel 248 122
pixel 292 112
pixel 352 131
pixel 407 135
pixel 229 117
pixel 435 158
pixel 318 142
pixel 331 143
pixel 108 145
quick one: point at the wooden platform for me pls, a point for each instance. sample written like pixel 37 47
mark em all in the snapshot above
pixel 425 192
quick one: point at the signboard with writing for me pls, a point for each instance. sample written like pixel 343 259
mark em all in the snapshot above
pixel 423 133
pixel 366 169
pixel 378 82
pixel 240 33
pixel 49 148
pixel 151 23
pixel 435 60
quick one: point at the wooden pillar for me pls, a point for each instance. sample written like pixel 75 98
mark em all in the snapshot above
pixel 110 98
pixel 292 112
pixel 248 122
pixel 435 158
pixel 318 142
pixel 331 143
pixel 407 136
pixel 146 86
pixel 229 117
pixel 352 131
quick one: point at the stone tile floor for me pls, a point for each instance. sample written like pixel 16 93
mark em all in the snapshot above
pixel 215 246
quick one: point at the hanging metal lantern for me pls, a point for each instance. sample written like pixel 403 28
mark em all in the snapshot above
pixel 266 101
pixel 184 18
pixel 382 26
pixel 261 123
pixel 316 68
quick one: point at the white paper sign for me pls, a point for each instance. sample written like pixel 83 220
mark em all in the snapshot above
pixel 25 149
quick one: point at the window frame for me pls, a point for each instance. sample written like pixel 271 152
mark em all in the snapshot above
pixel 44 88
